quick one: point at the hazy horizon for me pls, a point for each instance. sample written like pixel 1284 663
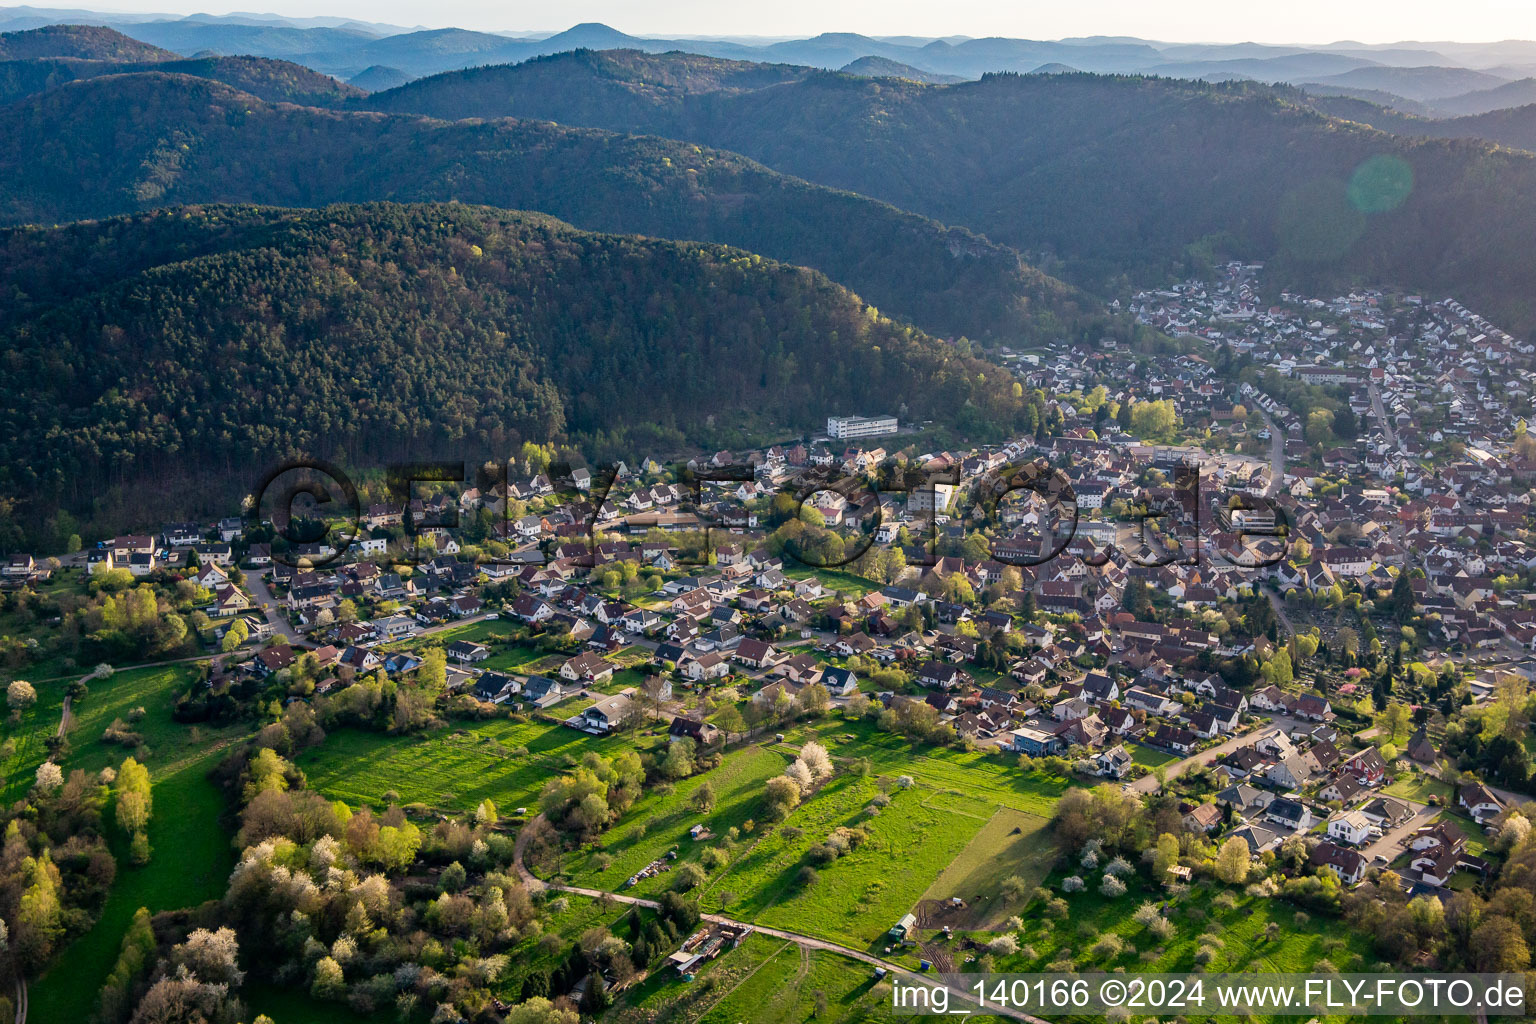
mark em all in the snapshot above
pixel 1184 22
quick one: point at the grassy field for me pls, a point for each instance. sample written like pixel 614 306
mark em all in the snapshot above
pixel 911 842
pixel 292 1004
pixel 795 984
pixel 955 797
pixel 25 740
pixel 849 584
pixel 988 780
pixel 451 769
pixel 1150 757
pixel 1419 787
pixel 155 690
pixel 1010 843
pixel 657 822
pixel 192 857
pixel 766 981
pixel 1234 929
pixel 864 892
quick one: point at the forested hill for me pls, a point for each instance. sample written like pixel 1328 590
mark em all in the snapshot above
pixel 1508 126
pixel 127 142
pixel 1113 174
pixel 207 342
pixel 276 81
pixel 608 89
pixel 89 42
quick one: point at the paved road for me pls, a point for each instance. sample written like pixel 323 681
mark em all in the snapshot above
pixel 1390 844
pixel 1380 409
pixel 1276 456
pixel 256 583
pixel 535 884
pixel 1148 783
pixel 1277 602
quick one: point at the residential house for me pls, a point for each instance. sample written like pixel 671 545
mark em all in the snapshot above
pixel 1292 814
pixel 1346 864
pixel 1350 827
pixel 1034 741
pixel 587 667
pixel 466 652
pixel 1113 763
pixel 1479 802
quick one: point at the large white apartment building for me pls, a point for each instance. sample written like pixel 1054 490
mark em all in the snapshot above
pixel 846 428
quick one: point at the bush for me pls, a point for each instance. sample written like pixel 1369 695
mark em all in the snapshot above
pixel 688 876
pixel 20 695
pixel 1107 948
pixel 1072 884
pixel 807 877
pixel 823 854
pixel 1112 887
pixel 1003 945
pixel 1119 867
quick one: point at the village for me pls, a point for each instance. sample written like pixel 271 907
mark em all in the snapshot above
pixel 1258 584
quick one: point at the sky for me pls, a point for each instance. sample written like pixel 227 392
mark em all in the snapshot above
pixel 1294 21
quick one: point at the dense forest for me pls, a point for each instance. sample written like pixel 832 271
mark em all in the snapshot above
pixel 107 146
pixel 276 81
pixel 1508 126
pixel 1112 175
pixel 203 343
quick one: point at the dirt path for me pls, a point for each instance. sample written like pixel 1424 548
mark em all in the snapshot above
pixel 806 942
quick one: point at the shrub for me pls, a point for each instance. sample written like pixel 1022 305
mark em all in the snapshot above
pixel 1112 887
pixel 20 695
pixel 688 876
pixel 1107 948
pixel 1072 883
pixel 1003 945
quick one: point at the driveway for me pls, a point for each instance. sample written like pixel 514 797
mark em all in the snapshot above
pixel 1148 783
pixel 1391 842
pixel 256 583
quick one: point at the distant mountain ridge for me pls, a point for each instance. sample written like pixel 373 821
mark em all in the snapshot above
pixel 85 42
pixel 1111 174
pixel 345 48
pixel 130 142
pixel 884 67
pixel 276 81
